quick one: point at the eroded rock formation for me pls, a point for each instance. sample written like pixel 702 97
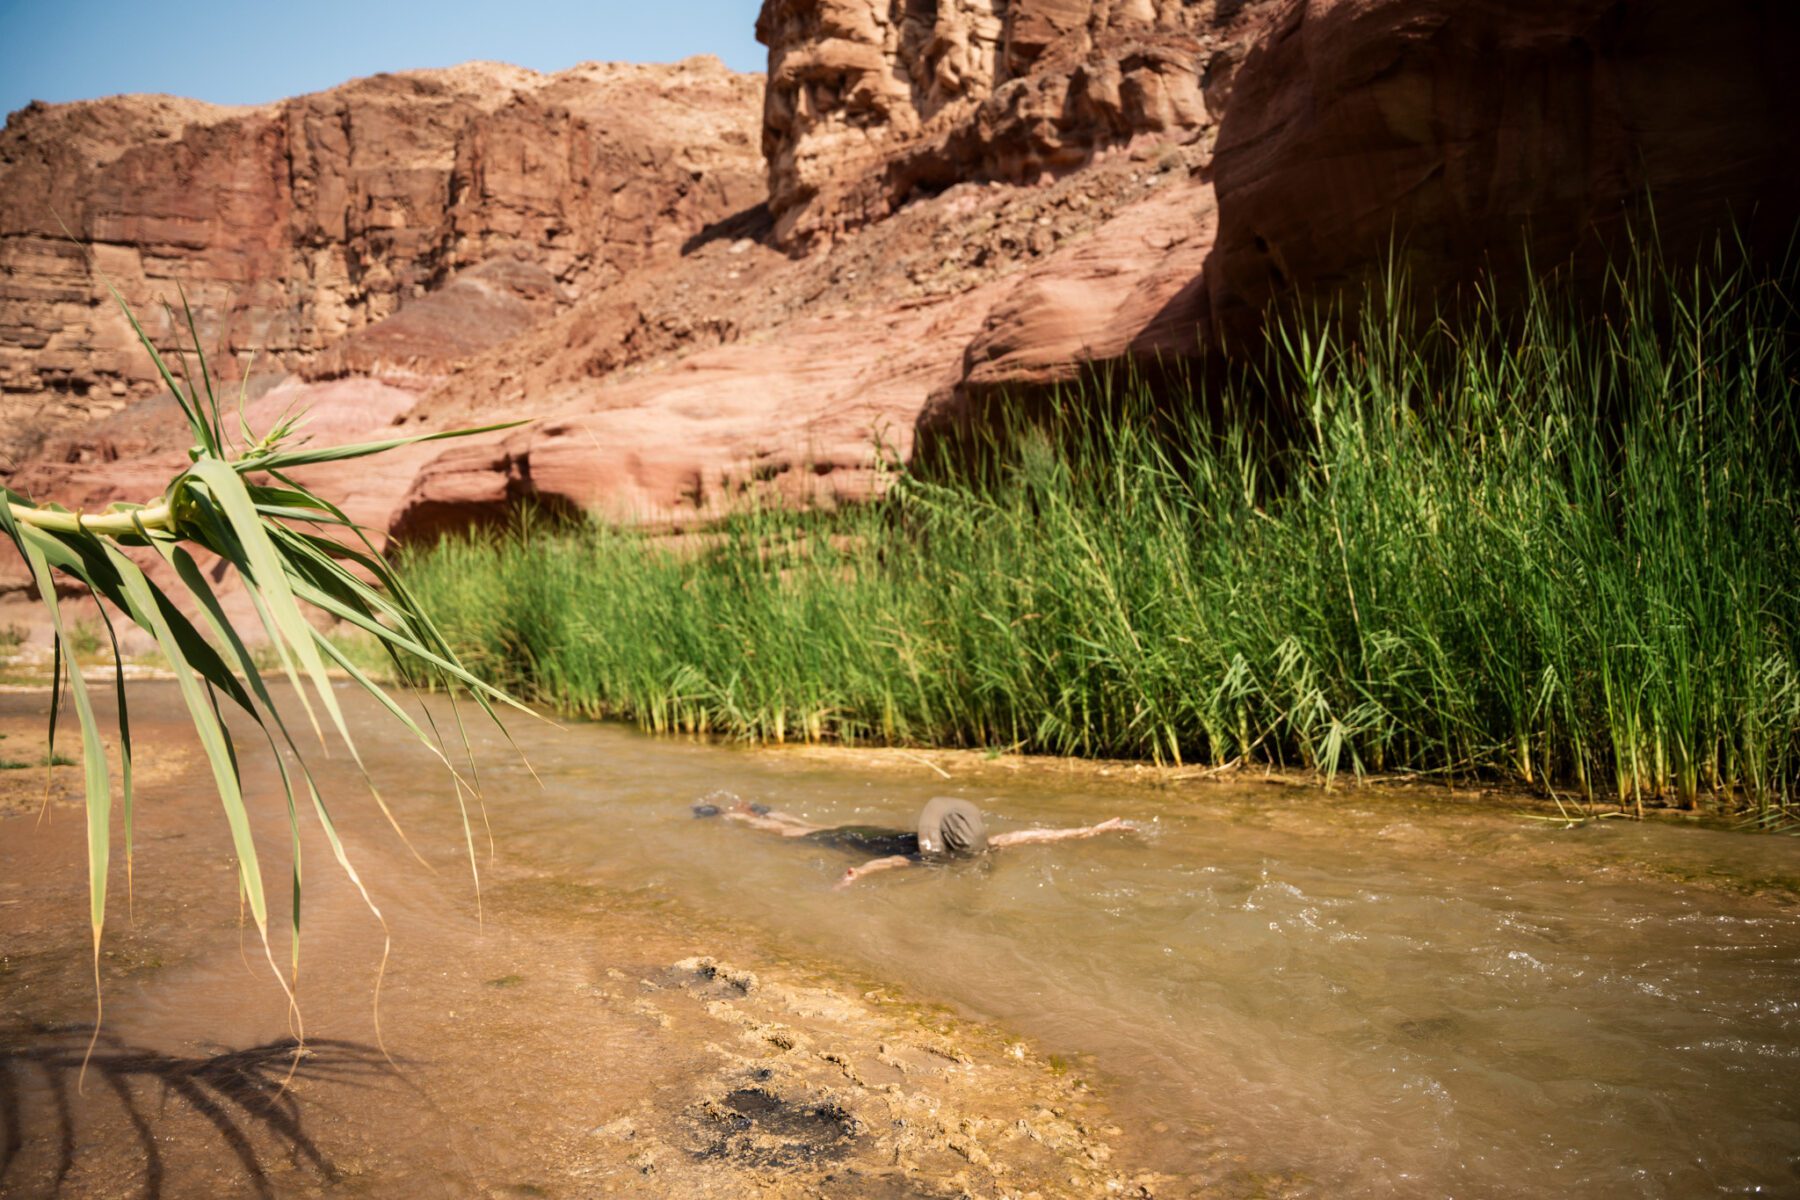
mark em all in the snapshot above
pixel 962 197
pixel 295 225
pixel 1474 135
pixel 872 105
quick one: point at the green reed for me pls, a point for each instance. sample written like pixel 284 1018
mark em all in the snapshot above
pixel 1559 546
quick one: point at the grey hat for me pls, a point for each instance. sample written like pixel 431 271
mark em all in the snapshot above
pixel 951 826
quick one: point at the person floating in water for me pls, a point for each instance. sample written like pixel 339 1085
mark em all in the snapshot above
pixel 948 828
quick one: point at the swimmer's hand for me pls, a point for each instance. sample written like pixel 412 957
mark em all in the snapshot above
pixel 874 864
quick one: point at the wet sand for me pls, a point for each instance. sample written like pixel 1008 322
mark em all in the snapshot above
pixel 570 1041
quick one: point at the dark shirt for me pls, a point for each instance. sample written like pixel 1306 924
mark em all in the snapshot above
pixel 871 841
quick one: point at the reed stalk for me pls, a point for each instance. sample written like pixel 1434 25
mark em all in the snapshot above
pixel 1554 544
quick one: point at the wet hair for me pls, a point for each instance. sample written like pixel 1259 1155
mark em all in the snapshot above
pixel 950 826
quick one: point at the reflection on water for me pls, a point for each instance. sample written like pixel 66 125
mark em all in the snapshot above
pixel 1283 991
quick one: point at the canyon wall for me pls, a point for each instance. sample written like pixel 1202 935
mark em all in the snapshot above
pixel 872 105
pixel 978 196
pixel 699 290
pixel 293 225
pixel 1477 136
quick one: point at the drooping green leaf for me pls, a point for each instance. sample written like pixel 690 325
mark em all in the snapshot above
pixel 215 740
pixel 273 537
pixel 288 459
pixel 31 543
pixel 245 664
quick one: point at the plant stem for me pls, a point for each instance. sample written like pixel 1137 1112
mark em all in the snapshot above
pixel 113 524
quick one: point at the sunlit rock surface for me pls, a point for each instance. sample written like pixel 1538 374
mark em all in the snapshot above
pixel 959 199
pixel 294 226
pixel 870 105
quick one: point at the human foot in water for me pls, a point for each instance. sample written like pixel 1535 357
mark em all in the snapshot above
pixel 712 804
pixel 761 816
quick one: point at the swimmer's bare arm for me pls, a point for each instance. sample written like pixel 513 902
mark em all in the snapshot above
pixel 785 824
pixel 874 864
pixel 1021 837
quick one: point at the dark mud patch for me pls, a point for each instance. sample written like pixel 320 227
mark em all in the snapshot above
pixel 819 1088
pixel 758 1127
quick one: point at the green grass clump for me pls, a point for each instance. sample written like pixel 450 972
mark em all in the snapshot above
pixel 49 760
pixel 1558 546
pixel 87 638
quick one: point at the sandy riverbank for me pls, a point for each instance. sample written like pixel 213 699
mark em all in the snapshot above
pixel 568 1041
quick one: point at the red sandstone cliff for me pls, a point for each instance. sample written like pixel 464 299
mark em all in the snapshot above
pixel 989 195
pixel 1473 132
pixel 294 227
pixel 870 106
pixel 961 196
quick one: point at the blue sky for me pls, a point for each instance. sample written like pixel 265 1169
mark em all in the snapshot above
pixel 255 51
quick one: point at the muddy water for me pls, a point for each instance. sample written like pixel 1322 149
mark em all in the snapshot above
pixel 1275 991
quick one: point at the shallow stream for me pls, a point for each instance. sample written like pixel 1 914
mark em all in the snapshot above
pixel 1278 991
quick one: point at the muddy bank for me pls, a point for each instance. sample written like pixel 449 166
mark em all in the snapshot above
pixel 1268 990
pixel 568 1040
pixel 644 1077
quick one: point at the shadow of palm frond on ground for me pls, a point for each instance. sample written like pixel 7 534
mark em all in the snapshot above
pixel 246 1097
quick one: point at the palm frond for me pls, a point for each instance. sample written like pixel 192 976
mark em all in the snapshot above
pixel 274 534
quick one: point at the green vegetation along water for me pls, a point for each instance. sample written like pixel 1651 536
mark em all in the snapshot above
pixel 1561 548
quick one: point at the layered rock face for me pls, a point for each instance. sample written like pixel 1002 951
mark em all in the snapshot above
pixel 987 195
pixel 870 105
pixel 295 225
pixel 1472 136
pixel 963 198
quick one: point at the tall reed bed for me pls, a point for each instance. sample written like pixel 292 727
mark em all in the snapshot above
pixel 1560 546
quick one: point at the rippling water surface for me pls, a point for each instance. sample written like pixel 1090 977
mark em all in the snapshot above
pixel 1285 992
